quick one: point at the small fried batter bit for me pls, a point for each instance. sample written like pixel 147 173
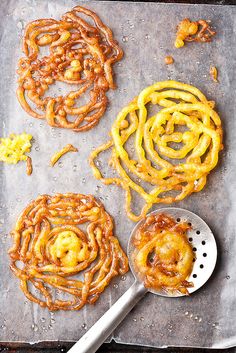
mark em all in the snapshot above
pixel 64 150
pixel 50 249
pixel 169 60
pixel 173 150
pixel 199 31
pixel 163 257
pixel 13 149
pixel 29 167
pixel 214 74
pixel 80 54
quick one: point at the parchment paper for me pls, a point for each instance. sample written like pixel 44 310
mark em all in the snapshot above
pixel 146 33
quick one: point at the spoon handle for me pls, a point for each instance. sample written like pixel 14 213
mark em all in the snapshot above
pixel 97 334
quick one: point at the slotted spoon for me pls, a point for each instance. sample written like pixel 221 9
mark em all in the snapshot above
pixel 204 246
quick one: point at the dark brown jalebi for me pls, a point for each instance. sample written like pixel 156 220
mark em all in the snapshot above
pixel 163 257
pixel 81 55
pixel 50 249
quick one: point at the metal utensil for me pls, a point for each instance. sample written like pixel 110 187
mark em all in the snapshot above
pixel 204 245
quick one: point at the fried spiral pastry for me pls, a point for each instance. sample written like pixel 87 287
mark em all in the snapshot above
pixel 175 149
pixel 163 257
pixel 50 249
pixel 80 54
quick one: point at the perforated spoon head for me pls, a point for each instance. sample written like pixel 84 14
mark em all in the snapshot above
pixel 204 246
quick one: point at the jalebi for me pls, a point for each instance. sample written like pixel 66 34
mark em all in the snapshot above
pixel 163 257
pixel 174 149
pixel 50 248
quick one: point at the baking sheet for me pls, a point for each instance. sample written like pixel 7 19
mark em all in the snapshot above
pixel 146 33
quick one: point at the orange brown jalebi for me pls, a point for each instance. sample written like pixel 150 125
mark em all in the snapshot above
pixel 163 257
pixel 175 148
pixel 80 54
pixel 199 31
pixel 50 249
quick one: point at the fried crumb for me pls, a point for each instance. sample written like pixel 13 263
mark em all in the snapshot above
pixel 169 60
pixel 214 74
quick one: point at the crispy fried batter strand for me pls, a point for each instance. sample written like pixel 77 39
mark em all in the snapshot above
pixel 199 31
pixel 214 74
pixel 29 167
pixel 163 257
pixel 81 55
pixel 50 249
pixel 64 150
pixel 175 149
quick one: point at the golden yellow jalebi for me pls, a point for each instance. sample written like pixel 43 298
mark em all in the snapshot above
pixel 50 249
pixel 163 257
pixel 175 148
